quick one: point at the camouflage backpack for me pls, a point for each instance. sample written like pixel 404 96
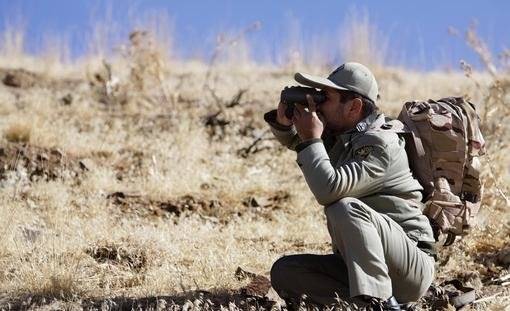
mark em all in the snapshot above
pixel 443 144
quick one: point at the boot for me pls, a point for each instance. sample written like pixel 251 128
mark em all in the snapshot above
pixel 387 305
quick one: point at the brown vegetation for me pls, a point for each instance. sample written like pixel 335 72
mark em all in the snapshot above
pixel 145 182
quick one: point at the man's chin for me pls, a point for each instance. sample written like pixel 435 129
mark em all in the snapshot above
pixel 333 130
pixel 329 129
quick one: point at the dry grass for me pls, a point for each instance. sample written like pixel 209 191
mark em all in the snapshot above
pixel 18 132
pixel 137 177
pixel 361 41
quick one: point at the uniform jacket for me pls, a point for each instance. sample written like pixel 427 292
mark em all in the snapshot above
pixel 368 163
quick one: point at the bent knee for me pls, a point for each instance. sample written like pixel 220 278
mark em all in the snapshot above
pixel 345 208
pixel 280 271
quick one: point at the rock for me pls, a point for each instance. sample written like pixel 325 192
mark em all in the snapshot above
pixel 38 162
pixel 20 78
pixel 67 100
pixel 259 285
pixel 504 257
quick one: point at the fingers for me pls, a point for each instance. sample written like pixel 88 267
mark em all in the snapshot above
pixel 321 117
pixel 281 116
pixel 295 119
pixel 311 103
pixel 282 106
pixel 298 112
pixel 301 108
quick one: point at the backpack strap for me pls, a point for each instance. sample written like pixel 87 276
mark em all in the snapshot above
pixel 413 131
pixel 466 297
pixel 450 238
pixel 450 293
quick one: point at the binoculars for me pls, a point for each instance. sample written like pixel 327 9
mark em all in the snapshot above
pixel 292 95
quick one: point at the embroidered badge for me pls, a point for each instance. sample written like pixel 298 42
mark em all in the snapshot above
pixel 363 152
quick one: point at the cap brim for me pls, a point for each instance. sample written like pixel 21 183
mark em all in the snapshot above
pixel 316 81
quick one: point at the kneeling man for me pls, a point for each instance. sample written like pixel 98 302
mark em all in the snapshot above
pixel 358 170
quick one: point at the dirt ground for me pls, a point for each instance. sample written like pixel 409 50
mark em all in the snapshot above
pixel 128 185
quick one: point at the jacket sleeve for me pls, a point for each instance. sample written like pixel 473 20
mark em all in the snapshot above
pixel 286 135
pixel 361 176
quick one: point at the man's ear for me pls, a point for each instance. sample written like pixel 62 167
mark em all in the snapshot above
pixel 356 107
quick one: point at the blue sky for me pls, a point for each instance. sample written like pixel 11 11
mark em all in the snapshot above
pixel 417 30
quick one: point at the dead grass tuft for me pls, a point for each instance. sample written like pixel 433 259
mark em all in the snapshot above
pixel 18 132
pixel 361 41
pixel 52 277
pixel 118 254
pixel 495 115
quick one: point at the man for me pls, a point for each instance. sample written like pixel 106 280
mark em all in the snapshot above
pixel 358 170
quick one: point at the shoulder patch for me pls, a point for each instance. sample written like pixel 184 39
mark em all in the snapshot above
pixel 363 152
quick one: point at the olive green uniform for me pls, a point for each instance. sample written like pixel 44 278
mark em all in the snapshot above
pixel 381 240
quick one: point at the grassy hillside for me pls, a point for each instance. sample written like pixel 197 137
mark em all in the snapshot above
pixel 141 179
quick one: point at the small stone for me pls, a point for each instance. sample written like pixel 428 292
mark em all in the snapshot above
pixel 504 257
pixel 67 100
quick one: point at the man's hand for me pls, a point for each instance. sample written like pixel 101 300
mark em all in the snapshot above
pixel 280 115
pixel 307 122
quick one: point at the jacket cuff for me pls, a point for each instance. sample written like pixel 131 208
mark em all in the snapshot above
pixel 308 157
pixel 270 117
pixel 307 143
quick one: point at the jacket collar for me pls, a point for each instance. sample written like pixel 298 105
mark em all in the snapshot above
pixel 372 121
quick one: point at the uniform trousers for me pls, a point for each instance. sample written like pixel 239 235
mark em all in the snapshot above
pixel 372 256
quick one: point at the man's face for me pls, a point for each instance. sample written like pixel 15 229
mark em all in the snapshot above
pixel 335 113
